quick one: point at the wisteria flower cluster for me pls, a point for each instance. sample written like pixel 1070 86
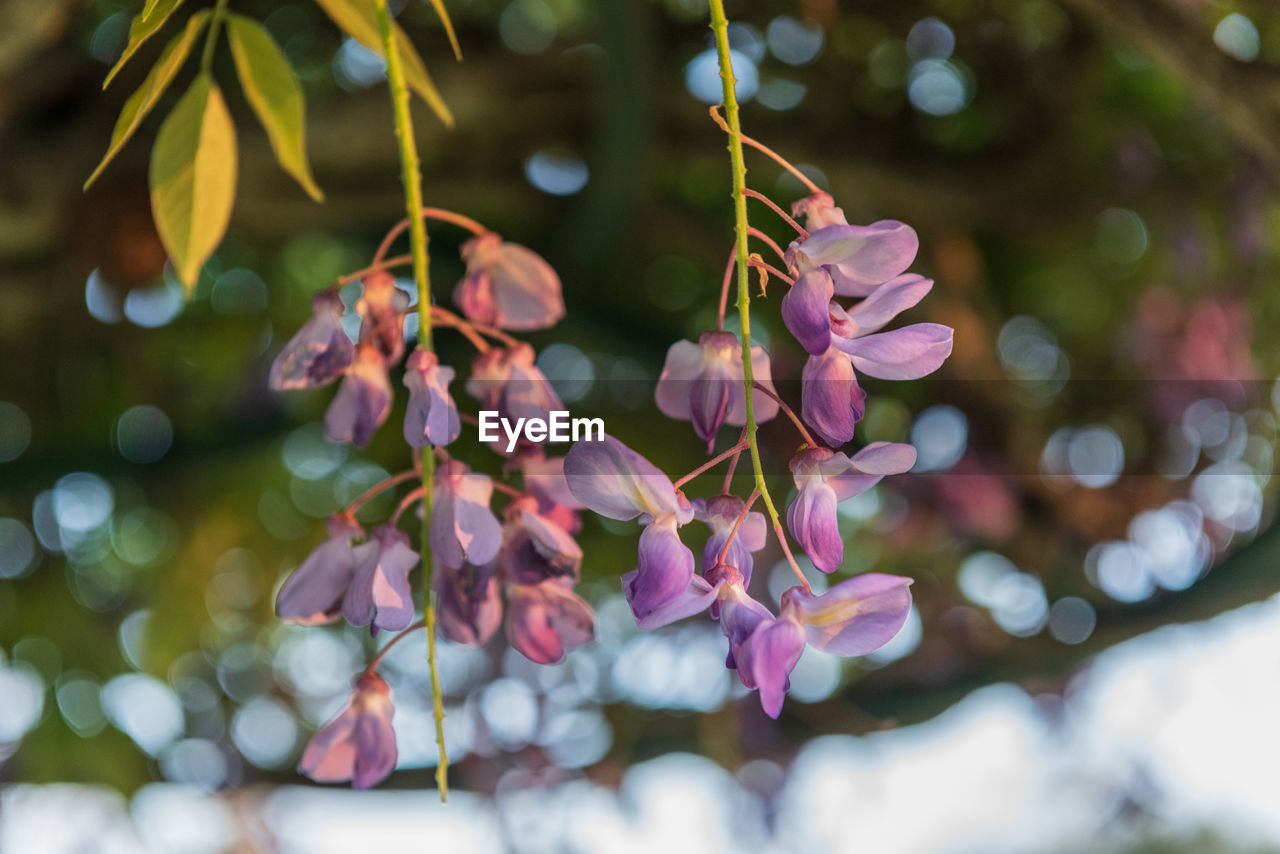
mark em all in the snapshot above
pixel 705 383
pixel 845 284
pixel 527 559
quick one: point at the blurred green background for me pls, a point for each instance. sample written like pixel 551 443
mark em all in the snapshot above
pixel 1093 183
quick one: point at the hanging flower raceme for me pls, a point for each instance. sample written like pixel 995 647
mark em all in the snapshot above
pixel 359 745
pixel 547 620
pixel 382 309
pixel 379 595
pixel 313 594
pixel 431 417
pixel 823 479
pixel 703 383
pixel 363 400
pixel 463 529
pixel 320 351
pixel 615 481
pixel 508 286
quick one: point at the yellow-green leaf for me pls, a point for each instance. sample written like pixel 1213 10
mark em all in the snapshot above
pixel 443 14
pixel 142 101
pixel 358 19
pixel 272 90
pixel 144 26
pixel 193 178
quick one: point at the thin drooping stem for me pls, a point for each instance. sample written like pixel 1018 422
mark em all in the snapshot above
pixel 764 149
pixel 427 213
pixel 782 404
pixel 382 653
pixel 773 206
pixel 405 503
pixel 211 37
pixel 724 287
pixel 711 463
pixel 737 523
pixel 379 487
pixel 757 233
pixel 385 264
pixel 411 176
pixel 720 26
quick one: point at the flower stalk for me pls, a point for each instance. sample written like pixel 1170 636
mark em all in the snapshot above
pixel 720 27
pixel 411 176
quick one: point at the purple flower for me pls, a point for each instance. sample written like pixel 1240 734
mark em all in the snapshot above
pixel 739 614
pixel 379 593
pixel 703 383
pixel 858 257
pixel 720 514
pixel 819 211
pixel 806 310
pixel 823 478
pixel 382 308
pixel 508 286
pixel 431 417
pixel 313 593
pixel 544 480
pixel 616 482
pixel 463 528
pixel 831 401
pixel 546 620
pixel 507 381
pixel 901 354
pixel 855 617
pixel 534 547
pixel 469 604
pixel 359 745
pixel 320 351
pixel 363 400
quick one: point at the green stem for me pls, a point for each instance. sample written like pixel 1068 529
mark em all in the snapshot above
pixel 720 26
pixel 411 176
pixel 211 37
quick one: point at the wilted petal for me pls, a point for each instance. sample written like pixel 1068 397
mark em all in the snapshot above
pixel 320 351
pixel 615 481
pixel 812 520
pixel 831 401
pixel 771 653
pixel 546 621
pixel 508 286
pixel 313 593
pixel 363 400
pixel 885 303
pixel 379 593
pixel 856 616
pixel 431 417
pixel 360 744
pixel 469 603
pixel 901 354
pixel 463 529
pixel 804 310
pixel 382 308
pixel 663 572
